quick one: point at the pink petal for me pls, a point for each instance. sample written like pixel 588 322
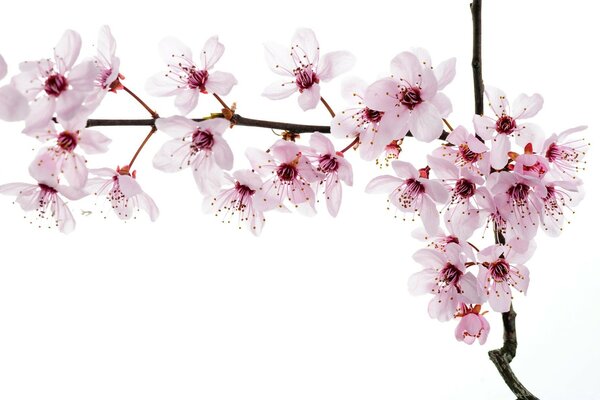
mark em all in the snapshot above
pixel 161 85
pixel 471 288
pixel 428 84
pixel 334 64
pixel 407 66
pixel 527 106
pixel 93 142
pixel 212 52
pixel 68 103
pixel 423 56
pixel 279 90
pixel 497 100
pixel 146 203
pixel 176 126
pixel 278 59
pixel 216 126
pixel 285 151
pixel 443 168
pixel 321 144
pixel 173 51
pixel 334 198
pixel 345 171
pixel 3 67
pixel 436 190
pixel 443 104
pixel 443 306
pixel 429 216
pixel 75 170
pixel 484 126
pixel 13 105
pixel 445 72
pixel 530 133
pixel 82 77
pixel 383 184
pixel 64 218
pixel 67 50
pixel 304 43
pixel 353 89
pixel 381 95
pixel 220 83
pixel 107 45
pixel 258 159
pixel 344 124
pixel 222 153
pixel 422 282
pixel 129 186
pixel 501 298
pixel 173 156
pixel 426 122
pixel 186 100
pixel 248 178
pixel 499 153
pixel 40 115
pixel 310 97
pixel 404 169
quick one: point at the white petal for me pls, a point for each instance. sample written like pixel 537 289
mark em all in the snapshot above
pixel 279 59
pixel 176 126
pixel 334 64
pixel 93 142
pixel 279 90
pixel 107 46
pixel 212 52
pixel 381 95
pixel 13 105
pixel 305 46
pixel 497 100
pixel 186 100
pixel 173 51
pixel 161 85
pixel 220 82
pixel 443 104
pixel 222 153
pixel 383 184
pixel 310 97
pixel 426 122
pixel 527 106
pixel 67 50
pixel 3 67
pixel 445 72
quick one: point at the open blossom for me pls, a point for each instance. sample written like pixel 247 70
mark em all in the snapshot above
pixel 45 199
pixel 242 202
pixel 334 167
pixel 199 145
pixel 560 197
pixel 501 270
pixel 362 122
pixel 444 275
pixel 289 174
pixel 472 326
pixel 107 68
pixel 305 67
pixel 506 123
pixel 410 100
pixel 186 79
pixel 62 158
pixel 55 86
pixel 122 191
pixel 412 193
pixel 13 105
pixel 468 151
pixel 564 154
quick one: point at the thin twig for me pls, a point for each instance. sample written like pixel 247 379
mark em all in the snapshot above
pixel 328 107
pixel 137 152
pixel 153 113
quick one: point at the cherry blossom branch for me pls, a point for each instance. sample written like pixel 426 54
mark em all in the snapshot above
pixel 503 356
pixel 236 119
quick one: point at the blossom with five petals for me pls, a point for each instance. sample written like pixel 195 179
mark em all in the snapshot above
pixel 13 105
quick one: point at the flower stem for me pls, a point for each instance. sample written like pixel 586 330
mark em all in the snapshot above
pixel 137 152
pixel 327 107
pixel 345 149
pixel 448 124
pixel 220 100
pixel 153 113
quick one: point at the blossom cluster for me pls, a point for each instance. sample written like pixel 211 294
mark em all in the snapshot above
pixel 499 176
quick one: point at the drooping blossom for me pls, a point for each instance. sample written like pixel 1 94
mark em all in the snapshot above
pixel 410 100
pixel 62 157
pixel 362 122
pixel 500 270
pixel 242 202
pixel 107 68
pixel 186 79
pixel 305 67
pixel 122 191
pixel 45 199
pixel 199 145
pixel 472 326
pixel 289 175
pixel 55 86
pixel 445 276
pixel 565 154
pixel 334 168
pixel 13 105
pixel 412 193
pixel 506 123
pixel 467 151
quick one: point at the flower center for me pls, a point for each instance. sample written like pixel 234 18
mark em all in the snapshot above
pixel 197 79
pixel 519 193
pixel 46 189
pixel 506 124
pixel 328 164
pixel 409 193
pixel 243 191
pixel 499 270
pixel 410 97
pixel 464 188
pixel 305 78
pixel 287 172
pixel 372 115
pixel 103 76
pixel 450 275
pixel 467 155
pixel 55 85
pixel 553 152
pixel 67 141
pixel 202 140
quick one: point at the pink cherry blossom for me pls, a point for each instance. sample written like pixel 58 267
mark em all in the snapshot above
pixel 472 326
pixel 468 151
pixel 334 168
pixel 305 67
pixel 500 270
pixel 506 123
pixel 529 163
pixel 107 68
pixel 13 105
pixel 410 100
pixel 199 145
pixel 560 197
pixel 411 193
pixel 565 154
pixel 441 239
pixel 185 79
pixel 361 121
pixel 122 191
pixel 444 72
pixel 444 275
pixel 55 86
pixel 61 159
pixel 242 200
pixel 289 174
pixel 45 199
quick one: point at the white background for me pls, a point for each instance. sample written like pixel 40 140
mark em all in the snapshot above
pixel 316 308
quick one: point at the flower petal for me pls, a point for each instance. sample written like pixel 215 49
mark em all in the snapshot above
pixel 222 153
pixel 497 100
pixel 404 170
pixel 429 216
pixel 426 122
pixel 67 50
pixel 13 105
pixel 305 46
pixel 499 153
pixel 220 83
pixel 173 51
pixel 93 142
pixel 176 126
pixel 406 66
pixel 334 64
pixel 186 100
pixel 279 90
pixel 278 59
pixel 445 72
pixel 3 67
pixel 527 106
pixel 160 85
pixel 383 184
pixel 310 97
pixel 211 52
